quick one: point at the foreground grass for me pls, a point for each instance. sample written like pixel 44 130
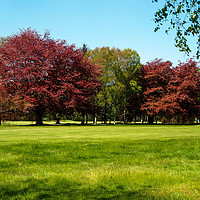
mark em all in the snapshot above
pixel 100 162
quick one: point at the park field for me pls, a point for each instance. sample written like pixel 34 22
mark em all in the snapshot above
pixel 99 162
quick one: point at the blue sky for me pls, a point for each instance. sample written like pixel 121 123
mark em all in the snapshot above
pixel 114 23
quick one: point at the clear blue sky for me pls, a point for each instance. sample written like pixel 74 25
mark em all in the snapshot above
pixel 114 23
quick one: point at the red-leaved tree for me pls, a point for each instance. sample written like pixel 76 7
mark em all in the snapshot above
pixel 156 75
pixel 48 74
pixel 10 106
pixel 182 99
pixel 172 93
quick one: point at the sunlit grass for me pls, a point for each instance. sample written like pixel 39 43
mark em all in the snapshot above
pixel 100 162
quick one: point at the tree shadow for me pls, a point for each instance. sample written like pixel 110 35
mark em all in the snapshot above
pixel 101 124
pixel 63 188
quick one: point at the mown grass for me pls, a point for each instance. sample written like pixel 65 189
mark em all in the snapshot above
pixel 100 162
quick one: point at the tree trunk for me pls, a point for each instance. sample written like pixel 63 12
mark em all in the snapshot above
pixel 83 118
pixel 150 119
pixel 114 115
pixel 39 112
pixel 58 120
pixel 86 120
pixel 110 114
pixel 95 119
pixel 135 118
pixel 124 116
pixel 105 113
pixel 142 119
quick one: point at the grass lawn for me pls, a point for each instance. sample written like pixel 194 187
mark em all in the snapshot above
pixel 100 162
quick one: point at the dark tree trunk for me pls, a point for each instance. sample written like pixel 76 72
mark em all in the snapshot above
pixel 156 120
pixel 110 114
pixel 150 119
pixel 83 118
pixel 135 118
pixel 86 118
pixel 58 120
pixel 39 115
pixel 105 114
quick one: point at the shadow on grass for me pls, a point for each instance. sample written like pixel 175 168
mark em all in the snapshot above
pixel 102 124
pixel 60 188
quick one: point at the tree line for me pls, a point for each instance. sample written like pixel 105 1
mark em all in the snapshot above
pixel 41 76
pixel 156 91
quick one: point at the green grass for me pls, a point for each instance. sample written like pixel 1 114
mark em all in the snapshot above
pixel 100 162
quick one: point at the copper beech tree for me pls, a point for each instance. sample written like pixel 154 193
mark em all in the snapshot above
pixel 172 93
pixel 181 103
pixel 46 73
pixel 11 107
pixel 157 75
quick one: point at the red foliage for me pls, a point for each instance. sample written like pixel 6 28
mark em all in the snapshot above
pixel 156 78
pixel 182 98
pixel 46 73
pixel 172 92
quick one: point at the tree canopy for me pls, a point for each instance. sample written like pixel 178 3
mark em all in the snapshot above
pixel 157 75
pixel 119 78
pixel 40 75
pixel 184 17
pixel 171 92
pixel 46 73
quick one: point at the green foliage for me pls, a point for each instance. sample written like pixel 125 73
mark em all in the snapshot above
pixel 184 17
pixel 119 77
pixel 99 162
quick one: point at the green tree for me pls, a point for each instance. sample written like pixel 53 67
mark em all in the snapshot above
pixel 184 17
pixel 105 58
pixel 119 78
